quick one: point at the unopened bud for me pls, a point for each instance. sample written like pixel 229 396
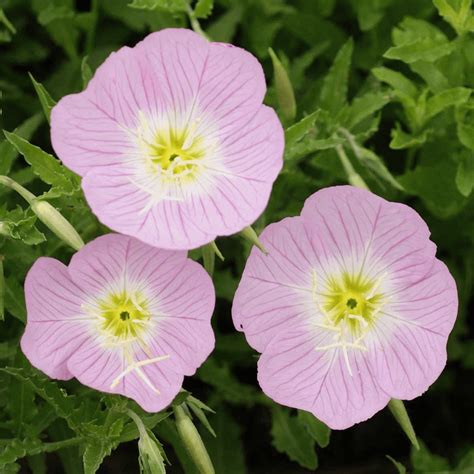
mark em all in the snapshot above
pixel 192 441
pixel 284 89
pixel 57 223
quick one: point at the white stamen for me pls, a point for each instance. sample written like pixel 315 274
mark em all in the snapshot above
pixel 136 366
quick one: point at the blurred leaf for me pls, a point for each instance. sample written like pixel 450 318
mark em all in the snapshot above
pixel 465 174
pixel 445 99
pixel 15 299
pixel 398 465
pixel 457 13
pixel 2 291
pixel 401 139
pixel 86 72
pixel 369 12
pixel 226 449
pixel 335 84
pixel 466 463
pixel 6 22
pixel 418 40
pixel 203 8
pixel 424 461
pixel 229 388
pixel 465 124
pixel 434 181
pixel 172 6
pixel 397 80
pixel 317 429
pixel 290 437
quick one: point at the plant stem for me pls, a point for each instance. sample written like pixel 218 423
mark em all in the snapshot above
pixel 352 176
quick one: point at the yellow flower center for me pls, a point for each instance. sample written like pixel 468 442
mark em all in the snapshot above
pixel 123 316
pixel 349 305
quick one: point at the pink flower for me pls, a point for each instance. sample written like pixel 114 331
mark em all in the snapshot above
pixel 350 308
pixel 172 140
pixel 123 317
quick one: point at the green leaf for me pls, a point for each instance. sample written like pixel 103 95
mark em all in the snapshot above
pixel 401 139
pixel 47 102
pixel 422 50
pixel 15 299
pixel 375 165
pixel 434 180
pixel 445 99
pixel 20 225
pixel 418 40
pixel 369 12
pixel 457 13
pixel 289 436
pixel 203 8
pixel 151 454
pixel 317 429
pixel 86 72
pixel 423 461
pixel 226 385
pixel 17 449
pixel 466 463
pixel 44 165
pixel 65 406
pixel 465 174
pixel 6 22
pixel 172 6
pixel 8 152
pixel 363 107
pixel 398 465
pixel 2 290
pixel 94 454
pixel 226 449
pixel 397 80
pixel 432 75
pixel 197 408
pixel 334 88
pixel 465 124
pixel 300 129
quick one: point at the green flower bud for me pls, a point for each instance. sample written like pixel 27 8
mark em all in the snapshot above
pixel 284 89
pixel 192 441
pixel 57 223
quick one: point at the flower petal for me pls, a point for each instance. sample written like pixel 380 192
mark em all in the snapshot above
pixel 409 350
pixel 275 290
pixel 124 207
pixel 56 324
pixel 357 231
pixel 292 372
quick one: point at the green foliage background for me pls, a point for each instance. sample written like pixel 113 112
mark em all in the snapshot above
pixel 383 94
